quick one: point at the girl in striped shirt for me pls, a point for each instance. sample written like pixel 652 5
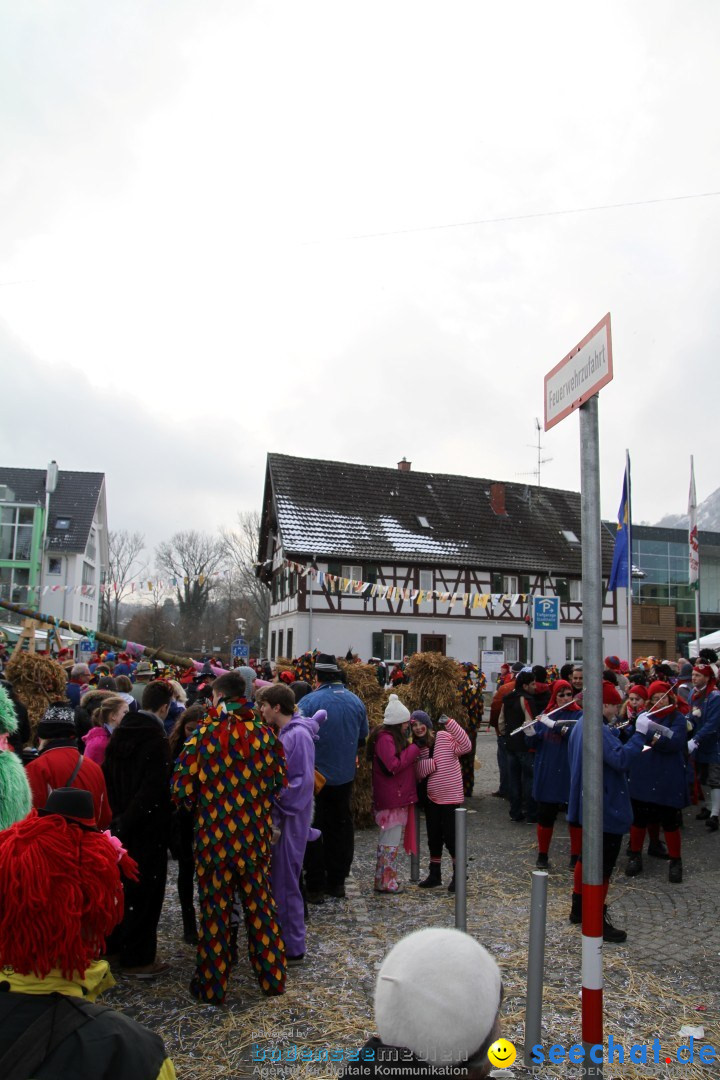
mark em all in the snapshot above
pixel 439 762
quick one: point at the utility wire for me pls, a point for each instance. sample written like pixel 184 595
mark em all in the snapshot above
pixel 529 217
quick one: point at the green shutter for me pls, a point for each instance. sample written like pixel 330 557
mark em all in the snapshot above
pixel 370 573
pixel 563 589
pixel 496 583
pixel 334 568
pixel 525 584
pixel 378 645
pixel 411 644
pixel 497 644
pixel 523 650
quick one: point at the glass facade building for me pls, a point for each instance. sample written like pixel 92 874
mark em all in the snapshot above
pixel 661 556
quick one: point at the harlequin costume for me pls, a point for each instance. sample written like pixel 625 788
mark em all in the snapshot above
pixel 227 773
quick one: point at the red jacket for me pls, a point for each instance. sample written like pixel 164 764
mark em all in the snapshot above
pixel 53 767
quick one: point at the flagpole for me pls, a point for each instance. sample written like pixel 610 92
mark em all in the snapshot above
pixel 692 525
pixel 629 561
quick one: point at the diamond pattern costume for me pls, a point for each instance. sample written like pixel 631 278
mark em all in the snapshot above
pixel 227 773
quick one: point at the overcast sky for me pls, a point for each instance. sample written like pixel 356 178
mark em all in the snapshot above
pixel 230 228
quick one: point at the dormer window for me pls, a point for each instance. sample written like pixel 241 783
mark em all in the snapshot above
pixel 62 523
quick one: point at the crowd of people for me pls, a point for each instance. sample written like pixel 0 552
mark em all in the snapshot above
pixel 661 753
pixel 248 781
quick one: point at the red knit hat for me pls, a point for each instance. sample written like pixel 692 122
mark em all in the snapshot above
pixel 611 694
pixel 612 662
pixel 639 690
pixel 659 687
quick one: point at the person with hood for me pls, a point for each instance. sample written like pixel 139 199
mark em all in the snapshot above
pixel 551 773
pixel 292 810
pixel 393 759
pixel 705 743
pixel 228 772
pixel 617 808
pixel 658 781
pixel 60 764
pixel 137 768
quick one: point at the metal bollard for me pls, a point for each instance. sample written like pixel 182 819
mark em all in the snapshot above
pixel 536 963
pixel 460 868
pixel 415 856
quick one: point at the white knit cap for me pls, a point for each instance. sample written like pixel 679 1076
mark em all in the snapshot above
pixel 438 993
pixel 395 711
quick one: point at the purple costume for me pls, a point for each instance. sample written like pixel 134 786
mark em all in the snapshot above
pixel 292 814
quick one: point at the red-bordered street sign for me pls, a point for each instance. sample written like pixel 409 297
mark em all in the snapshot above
pixel 579 375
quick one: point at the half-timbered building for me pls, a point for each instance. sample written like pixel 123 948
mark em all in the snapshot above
pixel 387 562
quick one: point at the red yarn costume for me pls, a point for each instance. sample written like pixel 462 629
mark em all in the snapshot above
pixel 62 895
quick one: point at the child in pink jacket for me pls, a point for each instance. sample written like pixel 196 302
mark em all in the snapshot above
pixel 393 760
pixel 439 763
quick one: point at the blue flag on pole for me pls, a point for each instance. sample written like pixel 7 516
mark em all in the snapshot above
pixel 619 571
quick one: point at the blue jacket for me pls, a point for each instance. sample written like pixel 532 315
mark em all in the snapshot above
pixel 658 775
pixel 617 808
pixel 705 715
pixel 346 726
pixel 551 776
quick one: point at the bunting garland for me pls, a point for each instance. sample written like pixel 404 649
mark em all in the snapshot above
pixel 337 584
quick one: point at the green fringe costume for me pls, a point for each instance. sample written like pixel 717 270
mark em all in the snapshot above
pixel 15 797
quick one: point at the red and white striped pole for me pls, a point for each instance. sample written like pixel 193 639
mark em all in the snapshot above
pixel 592 760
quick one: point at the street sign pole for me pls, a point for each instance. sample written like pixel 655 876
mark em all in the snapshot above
pixel 573 384
pixel 592 758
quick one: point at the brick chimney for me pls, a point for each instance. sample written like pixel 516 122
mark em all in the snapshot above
pixel 404 465
pixel 497 499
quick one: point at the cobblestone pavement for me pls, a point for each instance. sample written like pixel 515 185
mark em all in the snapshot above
pixel 665 975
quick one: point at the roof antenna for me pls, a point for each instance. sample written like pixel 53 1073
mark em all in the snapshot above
pixel 540 459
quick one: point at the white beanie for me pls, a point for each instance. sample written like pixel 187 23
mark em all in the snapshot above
pixel 438 993
pixel 395 711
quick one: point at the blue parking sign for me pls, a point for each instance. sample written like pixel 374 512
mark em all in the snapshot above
pixel 546 612
pixel 239 649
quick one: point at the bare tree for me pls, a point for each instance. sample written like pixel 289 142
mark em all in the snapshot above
pixel 241 547
pixel 192 558
pixel 124 565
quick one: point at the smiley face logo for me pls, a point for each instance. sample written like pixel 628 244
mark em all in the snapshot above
pixel 502 1053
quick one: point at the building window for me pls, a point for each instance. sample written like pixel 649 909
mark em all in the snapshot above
pixel 426 580
pixel 272 645
pixel 281 637
pixel 575 590
pixel 353 572
pixel 62 523
pixel 54 566
pixel 573 649
pixel 290 643
pixel 393 646
pixel 511 649
pixel 510 584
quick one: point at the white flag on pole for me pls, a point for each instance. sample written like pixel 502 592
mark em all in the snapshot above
pixel 693 532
